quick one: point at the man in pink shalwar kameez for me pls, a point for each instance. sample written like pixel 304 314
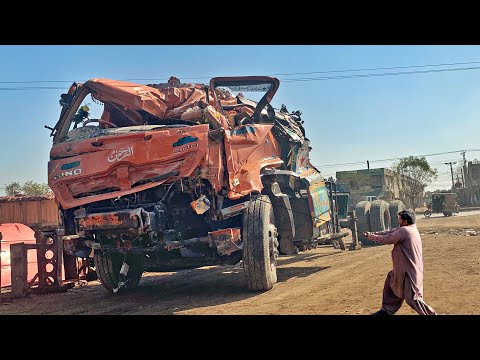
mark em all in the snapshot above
pixel 405 281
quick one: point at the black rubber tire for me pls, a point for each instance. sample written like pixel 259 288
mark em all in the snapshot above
pixel 107 267
pixel 260 245
pixel 426 213
pixel 379 215
pixel 362 212
pixel 395 206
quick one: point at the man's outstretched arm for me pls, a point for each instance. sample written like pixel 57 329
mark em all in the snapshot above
pixel 385 237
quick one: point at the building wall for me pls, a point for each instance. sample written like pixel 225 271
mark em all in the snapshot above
pixel 362 183
pixel 382 182
pixel 474 171
pixel 472 183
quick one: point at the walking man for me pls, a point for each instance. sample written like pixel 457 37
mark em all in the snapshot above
pixel 405 281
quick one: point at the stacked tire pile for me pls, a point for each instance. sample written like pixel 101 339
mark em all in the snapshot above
pixel 377 215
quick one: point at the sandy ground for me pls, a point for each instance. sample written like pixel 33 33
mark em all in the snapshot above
pixel 319 281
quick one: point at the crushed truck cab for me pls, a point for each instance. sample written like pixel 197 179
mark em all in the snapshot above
pixel 177 175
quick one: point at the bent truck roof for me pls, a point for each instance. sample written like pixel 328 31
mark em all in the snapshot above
pixel 162 101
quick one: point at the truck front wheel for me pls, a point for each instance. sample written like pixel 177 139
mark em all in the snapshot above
pixel 108 265
pixel 260 245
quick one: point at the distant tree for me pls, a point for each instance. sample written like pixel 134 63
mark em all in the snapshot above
pixel 30 188
pixel 419 173
pixel 33 188
pixel 13 189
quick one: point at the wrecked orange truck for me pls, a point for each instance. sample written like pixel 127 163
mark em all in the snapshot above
pixel 176 175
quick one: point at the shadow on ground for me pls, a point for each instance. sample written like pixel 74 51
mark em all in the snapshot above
pixel 283 274
pixel 160 293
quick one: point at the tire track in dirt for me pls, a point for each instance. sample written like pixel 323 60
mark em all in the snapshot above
pixel 319 281
pixel 316 292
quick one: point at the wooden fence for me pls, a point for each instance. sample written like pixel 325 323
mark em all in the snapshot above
pixel 33 211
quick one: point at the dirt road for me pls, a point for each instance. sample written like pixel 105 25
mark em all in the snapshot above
pixel 320 281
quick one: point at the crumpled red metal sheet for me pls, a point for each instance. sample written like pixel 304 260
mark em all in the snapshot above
pixel 162 102
pixel 129 95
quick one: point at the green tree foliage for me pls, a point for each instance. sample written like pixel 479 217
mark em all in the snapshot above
pixel 415 174
pixel 13 189
pixel 30 188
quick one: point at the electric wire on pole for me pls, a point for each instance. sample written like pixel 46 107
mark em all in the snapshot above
pixel 451 170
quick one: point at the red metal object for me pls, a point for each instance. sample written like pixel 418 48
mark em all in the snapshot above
pixel 227 240
pixel 14 233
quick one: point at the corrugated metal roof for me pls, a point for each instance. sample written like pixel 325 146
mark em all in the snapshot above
pixel 26 198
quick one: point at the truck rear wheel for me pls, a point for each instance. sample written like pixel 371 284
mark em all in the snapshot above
pixel 107 267
pixel 260 245
pixel 395 206
pixel 362 211
pixel 380 215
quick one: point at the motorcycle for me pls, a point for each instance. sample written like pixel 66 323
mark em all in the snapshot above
pixel 427 213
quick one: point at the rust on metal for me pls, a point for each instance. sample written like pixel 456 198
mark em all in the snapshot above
pixel 226 241
pixel 100 220
pixel 111 220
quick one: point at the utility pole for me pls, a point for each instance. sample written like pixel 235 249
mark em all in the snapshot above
pixel 463 154
pixel 368 165
pixel 466 181
pixel 464 169
pixel 451 170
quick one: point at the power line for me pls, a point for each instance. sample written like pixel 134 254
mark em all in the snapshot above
pixel 34 88
pixel 336 71
pixel 276 74
pixel 392 159
pixel 442 176
pixel 35 81
pixel 285 74
pixel 380 68
pixel 443 162
pixel 347 70
pixel 451 170
pixel 380 74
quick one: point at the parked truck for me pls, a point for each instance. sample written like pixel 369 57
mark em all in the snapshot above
pixel 176 175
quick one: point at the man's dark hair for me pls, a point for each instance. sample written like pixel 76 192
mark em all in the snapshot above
pixel 408 215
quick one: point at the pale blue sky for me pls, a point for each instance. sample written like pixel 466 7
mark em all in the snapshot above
pixel 348 120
